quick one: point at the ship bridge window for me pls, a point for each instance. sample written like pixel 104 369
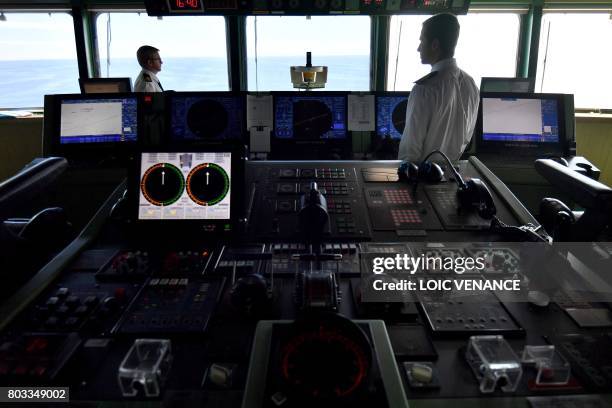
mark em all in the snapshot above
pixel 275 43
pixel 575 57
pixel 37 57
pixel 488 44
pixel 192 49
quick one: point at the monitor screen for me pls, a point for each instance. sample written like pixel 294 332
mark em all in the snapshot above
pixel 105 85
pixel 391 115
pixel 207 117
pixel 185 186
pixel 520 120
pixel 89 120
pixel 310 117
pixel 517 85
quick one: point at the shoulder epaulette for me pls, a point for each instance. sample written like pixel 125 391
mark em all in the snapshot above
pixel 147 77
pixel 426 77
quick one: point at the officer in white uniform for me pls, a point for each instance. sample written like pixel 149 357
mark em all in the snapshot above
pixel 151 63
pixel 443 105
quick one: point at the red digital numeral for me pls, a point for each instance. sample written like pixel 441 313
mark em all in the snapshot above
pixel 193 4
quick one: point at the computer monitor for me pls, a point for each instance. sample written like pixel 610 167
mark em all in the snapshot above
pixel 185 185
pixel 391 114
pixel 199 187
pixel 497 84
pixel 97 119
pixel 105 85
pixel 525 123
pixel 206 116
pixel 314 116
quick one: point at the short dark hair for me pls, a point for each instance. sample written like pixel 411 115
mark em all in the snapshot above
pixel 145 53
pixel 445 28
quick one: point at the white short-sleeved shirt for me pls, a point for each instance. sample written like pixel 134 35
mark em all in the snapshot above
pixel 147 82
pixel 441 113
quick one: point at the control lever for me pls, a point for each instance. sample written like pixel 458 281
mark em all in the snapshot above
pixel 313 216
pixel 557 218
pixel 519 233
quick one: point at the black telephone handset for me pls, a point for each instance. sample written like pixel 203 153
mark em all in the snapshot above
pixel 472 194
pixel 475 194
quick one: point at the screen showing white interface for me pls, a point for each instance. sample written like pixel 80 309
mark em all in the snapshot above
pixel 182 186
pixel 98 120
pixel 513 119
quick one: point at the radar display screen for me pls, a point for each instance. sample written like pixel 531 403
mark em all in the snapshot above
pixel 185 186
pixel 209 117
pixel 391 115
pixel 91 120
pixel 522 120
pixel 310 117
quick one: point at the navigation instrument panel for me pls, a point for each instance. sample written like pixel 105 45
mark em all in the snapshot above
pixel 528 123
pixel 185 186
pixel 312 117
pixel 207 116
pixel 391 114
pixel 108 119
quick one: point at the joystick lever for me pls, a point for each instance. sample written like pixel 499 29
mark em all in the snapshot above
pixel 313 216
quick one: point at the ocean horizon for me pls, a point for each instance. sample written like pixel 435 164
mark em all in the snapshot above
pixel 23 83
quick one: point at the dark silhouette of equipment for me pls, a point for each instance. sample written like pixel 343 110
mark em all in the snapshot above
pixel 250 295
pixel 313 215
pixel 472 194
pixel 26 243
pixel 427 171
pixel 557 218
pixel 593 196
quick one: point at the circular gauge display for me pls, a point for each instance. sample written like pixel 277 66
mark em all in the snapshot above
pixel 326 362
pixel 162 184
pixel 207 184
pixel 398 117
pixel 207 119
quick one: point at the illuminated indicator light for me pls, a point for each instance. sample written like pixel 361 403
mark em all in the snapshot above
pixel 192 4
pixel 168 190
pixel 207 184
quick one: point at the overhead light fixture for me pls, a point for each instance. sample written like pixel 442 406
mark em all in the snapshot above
pixel 2 16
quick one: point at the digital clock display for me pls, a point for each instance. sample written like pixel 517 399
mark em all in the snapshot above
pixel 186 5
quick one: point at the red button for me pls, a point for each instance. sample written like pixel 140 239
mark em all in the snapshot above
pixel 120 294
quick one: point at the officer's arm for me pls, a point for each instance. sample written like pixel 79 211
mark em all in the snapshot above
pixel 417 121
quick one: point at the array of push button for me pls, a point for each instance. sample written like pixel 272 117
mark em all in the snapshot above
pixel 66 312
pixel 345 225
pixel 330 173
pixel 322 173
pixel 339 206
pixel 325 187
pixel 334 188
pixel 398 196
pixel 35 356
pixel 340 248
pixel 404 216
